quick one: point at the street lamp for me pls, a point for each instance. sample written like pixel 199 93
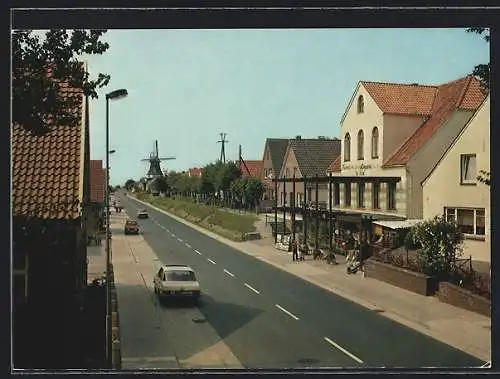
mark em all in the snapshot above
pixel 114 95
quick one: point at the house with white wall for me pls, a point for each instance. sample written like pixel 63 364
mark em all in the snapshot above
pixel 398 130
pixel 452 188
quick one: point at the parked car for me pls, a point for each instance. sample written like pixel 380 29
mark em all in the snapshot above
pixel 176 281
pixel 131 227
pixel 143 213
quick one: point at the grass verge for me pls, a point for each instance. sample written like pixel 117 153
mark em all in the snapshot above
pixel 229 225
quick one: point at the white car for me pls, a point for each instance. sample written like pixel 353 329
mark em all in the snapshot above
pixel 143 213
pixel 176 281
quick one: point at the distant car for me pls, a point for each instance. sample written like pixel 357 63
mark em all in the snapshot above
pixel 143 213
pixel 176 281
pixel 131 227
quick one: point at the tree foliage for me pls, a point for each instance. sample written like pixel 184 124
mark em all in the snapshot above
pixel 482 71
pixel 439 244
pixel 484 177
pixel 40 65
pixel 247 191
pixel 129 184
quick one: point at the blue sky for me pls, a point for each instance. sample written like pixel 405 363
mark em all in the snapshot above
pixel 187 86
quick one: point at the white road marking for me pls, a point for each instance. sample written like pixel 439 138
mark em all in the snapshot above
pixel 251 288
pixel 188 245
pixel 211 261
pixel 343 350
pixel 180 240
pixel 167 230
pixel 173 235
pixel 287 312
pixel 197 252
pixel 229 273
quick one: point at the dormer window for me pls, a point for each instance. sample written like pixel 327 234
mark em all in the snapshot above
pixel 361 142
pixel 361 104
pixel 347 148
pixel 375 143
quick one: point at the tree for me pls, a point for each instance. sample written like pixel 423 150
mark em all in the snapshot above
pixel 129 184
pixel 482 71
pixel 484 177
pixel 40 65
pixel 439 244
pixel 162 184
pixel 254 189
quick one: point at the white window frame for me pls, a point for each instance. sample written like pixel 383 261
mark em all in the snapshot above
pixel 455 218
pixel 464 167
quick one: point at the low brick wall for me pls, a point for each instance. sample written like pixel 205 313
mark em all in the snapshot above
pixel 116 356
pixel 454 295
pixel 400 277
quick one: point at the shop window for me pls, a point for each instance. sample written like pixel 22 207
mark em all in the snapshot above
pixel 391 196
pixel 361 195
pixel 336 194
pixel 376 195
pixel 347 195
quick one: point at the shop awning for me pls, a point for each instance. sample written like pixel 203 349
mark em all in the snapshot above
pixel 394 224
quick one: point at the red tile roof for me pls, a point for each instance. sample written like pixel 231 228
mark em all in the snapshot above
pixel 194 171
pixel 97 182
pixel 464 93
pixel 255 168
pixel 47 169
pixel 335 166
pixel 403 99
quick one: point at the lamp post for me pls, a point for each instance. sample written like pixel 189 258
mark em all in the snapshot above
pixel 114 95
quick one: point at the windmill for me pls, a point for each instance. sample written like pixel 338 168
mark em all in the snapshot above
pixel 155 170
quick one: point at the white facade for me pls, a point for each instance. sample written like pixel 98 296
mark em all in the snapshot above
pixel 373 138
pixel 452 188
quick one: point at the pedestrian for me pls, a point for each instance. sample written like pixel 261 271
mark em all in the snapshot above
pixel 295 256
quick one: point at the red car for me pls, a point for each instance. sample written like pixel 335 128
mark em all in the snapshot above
pixel 131 227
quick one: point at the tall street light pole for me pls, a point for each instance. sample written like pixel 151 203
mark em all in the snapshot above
pixel 114 95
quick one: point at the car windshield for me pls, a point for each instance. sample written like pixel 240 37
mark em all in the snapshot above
pixel 131 223
pixel 143 211
pixel 181 276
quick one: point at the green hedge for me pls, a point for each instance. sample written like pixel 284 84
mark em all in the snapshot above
pixel 229 225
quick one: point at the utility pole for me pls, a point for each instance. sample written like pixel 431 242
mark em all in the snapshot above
pixel 223 142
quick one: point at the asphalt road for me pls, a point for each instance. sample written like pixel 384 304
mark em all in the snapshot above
pixel 269 318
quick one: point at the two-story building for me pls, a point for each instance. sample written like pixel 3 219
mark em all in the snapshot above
pixel 306 158
pixel 452 187
pixel 398 130
pixel 272 160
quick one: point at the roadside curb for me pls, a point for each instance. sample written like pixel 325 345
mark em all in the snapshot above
pixel 390 314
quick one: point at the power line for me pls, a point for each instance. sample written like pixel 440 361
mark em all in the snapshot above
pixel 223 142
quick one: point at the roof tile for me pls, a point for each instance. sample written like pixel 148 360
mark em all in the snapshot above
pixel 46 169
pixel 314 156
pixel 254 168
pixel 464 93
pixel 404 99
pixel 335 166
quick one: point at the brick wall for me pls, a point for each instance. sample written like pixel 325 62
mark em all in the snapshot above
pixel 460 297
pixel 400 277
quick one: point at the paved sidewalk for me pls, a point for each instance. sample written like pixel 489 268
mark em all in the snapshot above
pixel 462 329
pixel 96 262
